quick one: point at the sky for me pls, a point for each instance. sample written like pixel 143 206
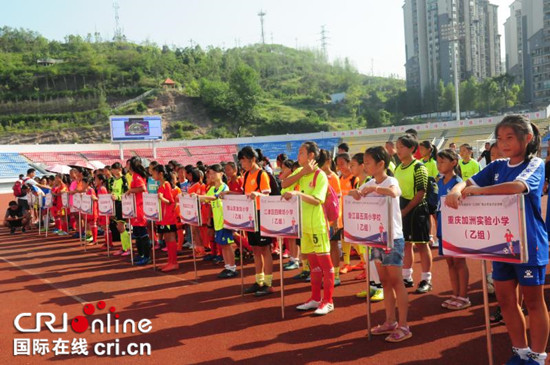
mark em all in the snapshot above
pixel 368 32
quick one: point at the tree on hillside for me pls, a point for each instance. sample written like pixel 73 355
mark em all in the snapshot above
pixel 244 92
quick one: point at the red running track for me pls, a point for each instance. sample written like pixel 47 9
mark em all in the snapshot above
pixel 210 323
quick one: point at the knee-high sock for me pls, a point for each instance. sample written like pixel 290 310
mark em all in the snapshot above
pixel 346 250
pixel 64 225
pixel 125 240
pixel 57 223
pixel 328 276
pixel 172 252
pixel 94 232
pixel 316 277
pixel 180 237
pixel 146 246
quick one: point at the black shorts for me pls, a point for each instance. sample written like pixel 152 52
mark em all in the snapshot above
pixel 167 228
pixel 337 236
pixel 17 223
pixel 256 239
pixel 118 211
pixel 416 225
pixel 24 204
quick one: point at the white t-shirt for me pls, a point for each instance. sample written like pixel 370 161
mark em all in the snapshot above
pixel 390 181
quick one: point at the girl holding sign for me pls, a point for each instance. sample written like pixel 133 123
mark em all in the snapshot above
pixel 447 164
pixel 521 172
pixel 100 189
pixel 388 264
pixel 223 237
pixel 168 225
pixel 91 219
pixel 139 223
pixel 58 211
pixel 315 241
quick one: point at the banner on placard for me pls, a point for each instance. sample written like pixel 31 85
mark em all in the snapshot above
pixel 128 206
pixel 87 204
pixel 190 209
pixel 151 207
pixel 77 202
pixel 280 217
pixel 48 200
pixel 368 221
pixel 65 200
pixel 488 227
pixel 105 204
pixel 239 213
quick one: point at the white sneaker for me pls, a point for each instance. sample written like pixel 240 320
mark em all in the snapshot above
pixel 187 245
pixel 312 304
pixel 324 309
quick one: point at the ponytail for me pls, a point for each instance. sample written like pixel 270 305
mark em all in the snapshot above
pixel 522 127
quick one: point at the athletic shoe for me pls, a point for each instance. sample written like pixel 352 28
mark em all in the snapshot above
pixel 208 257
pixel 337 282
pixel 286 254
pixel 408 283
pixel 55 230
pixel 378 295
pixel 490 284
pixel 89 238
pixel 144 261
pixel 264 290
pixel 217 259
pixel 252 289
pixel 62 233
pixel 292 265
pixel 346 269
pixel 309 305
pixel 222 275
pixel 423 287
pixel 324 309
pixel 187 245
pixel 23 230
pixel 126 253
pixel 515 359
pixel 76 235
pixel 301 276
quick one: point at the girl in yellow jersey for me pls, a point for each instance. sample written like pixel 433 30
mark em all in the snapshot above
pixel 315 241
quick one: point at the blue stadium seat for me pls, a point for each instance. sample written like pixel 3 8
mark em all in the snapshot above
pixel 12 164
pixel 273 149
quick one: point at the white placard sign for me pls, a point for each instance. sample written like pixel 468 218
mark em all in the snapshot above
pixel 190 209
pixel 87 204
pixel 106 205
pixel 128 206
pixel 77 202
pixel 488 227
pixel 280 217
pixel 368 221
pixel 239 213
pixel 48 200
pixel 151 207
pixel 65 200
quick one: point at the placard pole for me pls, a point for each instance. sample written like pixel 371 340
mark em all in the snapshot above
pixel 194 254
pixel 280 242
pixel 107 236
pixel 85 232
pixel 153 245
pixel 67 219
pixel 47 220
pixel 39 218
pixel 131 246
pixel 121 150
pixel 242 263
pixel 367 268
pixel 486 312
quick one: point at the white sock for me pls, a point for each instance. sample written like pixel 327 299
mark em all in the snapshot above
pixel 540 358
pixel 523 352
pixel 407 273
pixel 374 273
pixel 232 268
pixel 427 276
pixel 227 267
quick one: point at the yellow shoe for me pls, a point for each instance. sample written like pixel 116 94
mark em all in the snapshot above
pixel 378 295
pixel 361 294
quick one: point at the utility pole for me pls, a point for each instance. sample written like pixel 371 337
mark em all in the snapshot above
pixel 324 43
pixel 262 14
pixel 118 31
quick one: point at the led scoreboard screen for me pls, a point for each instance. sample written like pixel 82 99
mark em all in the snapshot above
pixel 136 128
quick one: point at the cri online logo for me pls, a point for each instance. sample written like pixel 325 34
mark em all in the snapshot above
pixel 80 324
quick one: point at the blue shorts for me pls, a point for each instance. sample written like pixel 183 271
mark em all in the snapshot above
pixel 392 258
pixel 224 237
pixel 524 274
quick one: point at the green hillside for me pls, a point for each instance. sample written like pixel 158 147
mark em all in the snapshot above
pixel 49 85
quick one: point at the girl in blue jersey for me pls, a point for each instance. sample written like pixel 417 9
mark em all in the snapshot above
pixel 521 172
pixel 447 164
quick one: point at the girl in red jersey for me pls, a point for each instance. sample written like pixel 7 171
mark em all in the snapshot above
pixel 57 210
pixel 91 219
pixel 167 225
pixel 139 223
pixel 100 189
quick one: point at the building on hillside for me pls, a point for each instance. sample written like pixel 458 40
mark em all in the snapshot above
pixel 169 84
pixel 337 98
pixel 48 61
pixel 527 31
pixel 429 53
